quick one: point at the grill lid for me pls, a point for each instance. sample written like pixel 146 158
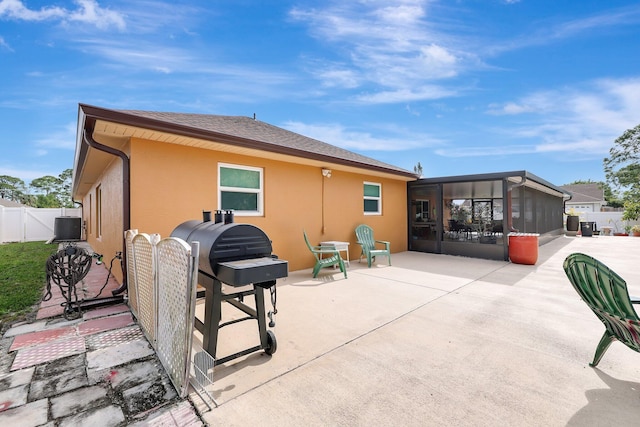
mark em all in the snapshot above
pixel 221 242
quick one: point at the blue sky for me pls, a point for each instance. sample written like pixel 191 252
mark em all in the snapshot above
pixel 463 87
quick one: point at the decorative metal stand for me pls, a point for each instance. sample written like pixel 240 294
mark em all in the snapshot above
pixel 66 268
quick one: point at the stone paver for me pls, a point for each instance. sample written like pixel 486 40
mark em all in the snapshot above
pixel 77 401
pixel 16 378
pixel 30 415
pixel 109 416
pixel 24 328
pixel 41 337
pixel 118 355
pixel 128 376
pixel 60 366
pixel 114 337
pixel 60 383
pixel 31 356
pixel 149 395
pixel 103 324
pixel 105 311
pixel 12 397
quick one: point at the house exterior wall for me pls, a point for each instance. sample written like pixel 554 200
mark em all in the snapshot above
pixel 106 239
pixel 584 206
pixel 171 184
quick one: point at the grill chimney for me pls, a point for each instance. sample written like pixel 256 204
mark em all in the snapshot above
pixel 228 217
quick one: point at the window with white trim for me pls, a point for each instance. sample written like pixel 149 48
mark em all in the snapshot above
pixel 372 198
pixel 240 188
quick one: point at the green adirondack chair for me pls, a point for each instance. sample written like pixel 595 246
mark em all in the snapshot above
pixel 326 256
pixel 606 294
pixel 364 234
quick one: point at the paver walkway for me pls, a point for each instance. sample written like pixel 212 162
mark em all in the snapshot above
pixel 98 370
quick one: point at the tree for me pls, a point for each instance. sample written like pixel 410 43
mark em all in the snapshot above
pixel 46 192
pixel 622 167
pixel 12 188
pixel 418 170
pixel 64 191
pixel 47 183
pixel 47 201
pixel 57 190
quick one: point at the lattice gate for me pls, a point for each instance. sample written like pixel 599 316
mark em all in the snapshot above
pixel 162 281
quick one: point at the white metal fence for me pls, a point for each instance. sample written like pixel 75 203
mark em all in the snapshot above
pixel 30 224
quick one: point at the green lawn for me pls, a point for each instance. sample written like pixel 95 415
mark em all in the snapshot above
pixel 22 278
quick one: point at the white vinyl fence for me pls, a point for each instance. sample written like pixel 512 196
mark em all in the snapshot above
pixel 606 219
pixel 30 224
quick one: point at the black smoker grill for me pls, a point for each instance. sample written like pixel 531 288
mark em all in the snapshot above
pixel 237 255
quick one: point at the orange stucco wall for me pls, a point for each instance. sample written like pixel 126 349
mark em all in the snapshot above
pixel 108 240
pixel 171 184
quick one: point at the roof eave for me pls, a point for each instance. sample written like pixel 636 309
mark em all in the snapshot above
pixel 97 113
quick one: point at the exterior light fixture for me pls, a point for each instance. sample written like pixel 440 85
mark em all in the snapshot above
pixel 326 173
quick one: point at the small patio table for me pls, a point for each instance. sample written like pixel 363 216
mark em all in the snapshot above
pixel 340 247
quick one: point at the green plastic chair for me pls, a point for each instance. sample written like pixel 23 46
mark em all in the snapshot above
pixel 364 234
pixel 606 294
pixel 319 252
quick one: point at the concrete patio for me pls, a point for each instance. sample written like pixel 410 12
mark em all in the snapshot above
pixel 435 340
pixel 431 340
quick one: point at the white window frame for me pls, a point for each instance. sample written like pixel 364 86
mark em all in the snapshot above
pixel 259 191
pixel 379 198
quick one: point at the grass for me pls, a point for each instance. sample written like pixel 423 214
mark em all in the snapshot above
pixel 22 278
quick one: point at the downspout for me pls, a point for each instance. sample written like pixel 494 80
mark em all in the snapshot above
pixel 510 187
pixel 87 137
pixel 564 203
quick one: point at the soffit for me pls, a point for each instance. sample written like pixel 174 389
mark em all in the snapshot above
pixel 117 135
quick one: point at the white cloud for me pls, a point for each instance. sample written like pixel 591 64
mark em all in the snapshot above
pixel 338 135
pixel 387 49
pixel 4 45
pixel 583 119
pixel 493 151
pixel 64 138
pixel 538 102
pixel 332 77
pixel 141 56
pixel 15 9
pixel 548 32
pixel 406 94
pixel 88 11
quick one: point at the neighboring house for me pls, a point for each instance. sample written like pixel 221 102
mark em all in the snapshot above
pixel 11 204
pixel 585 197
pixel 152 171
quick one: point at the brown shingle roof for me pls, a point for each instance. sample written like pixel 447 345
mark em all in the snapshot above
pixel 267 137
pixel 585 193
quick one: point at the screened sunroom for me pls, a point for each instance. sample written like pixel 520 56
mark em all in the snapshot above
pixel 472 215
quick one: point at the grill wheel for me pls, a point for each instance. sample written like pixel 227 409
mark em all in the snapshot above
pixel 272 344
